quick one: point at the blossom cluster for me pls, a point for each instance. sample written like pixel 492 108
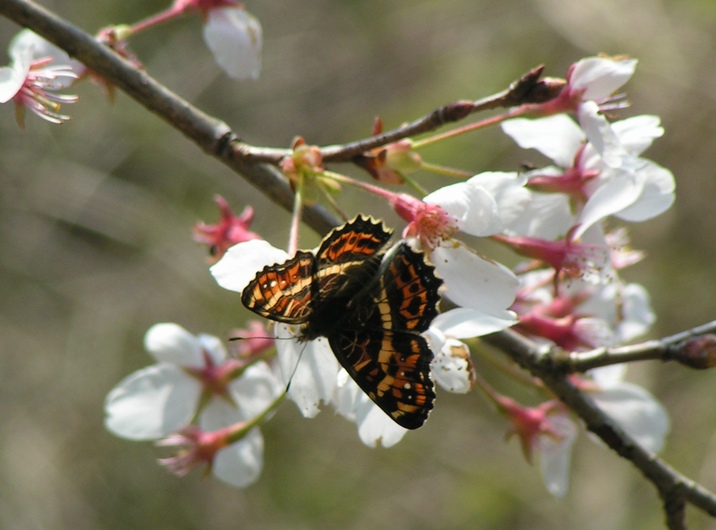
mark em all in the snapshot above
pixel 564 290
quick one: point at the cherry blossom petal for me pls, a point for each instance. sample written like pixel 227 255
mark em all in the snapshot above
pixel 556 454
pixel 601 77
pixel 242 261
pixel 601 135
pixel 12 77
pixel 152 403
pixel 452 372
pixel 311 367
pixel 557 137
pixel 213 347
pixel 40 48
pixel 637 412
pixel 474 282
pixel 508 191
pixel 637 313
pixel 465 322
pixel 171 343
pixel 235 39
pixel 616 194
pixel 657 193
pixel 547 216
pixel 375 427
pixel 255 390
pixel 474 208
pixel 240 464
pixel 638 132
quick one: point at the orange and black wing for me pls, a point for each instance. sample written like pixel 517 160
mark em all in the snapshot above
pixel 349 257
pixel 382 349
pixel 283 292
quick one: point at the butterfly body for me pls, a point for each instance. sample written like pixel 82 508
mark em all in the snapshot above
pixel 370 302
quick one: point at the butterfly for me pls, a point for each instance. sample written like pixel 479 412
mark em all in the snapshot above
pixel 371 301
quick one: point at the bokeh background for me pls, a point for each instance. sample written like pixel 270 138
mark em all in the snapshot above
pixel 95 247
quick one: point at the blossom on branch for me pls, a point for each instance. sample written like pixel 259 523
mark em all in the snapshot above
pixel 32 81
pixel 193 375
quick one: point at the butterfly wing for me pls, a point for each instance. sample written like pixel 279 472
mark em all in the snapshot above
pixel 349 257
pixel 283 292
pixel 381 347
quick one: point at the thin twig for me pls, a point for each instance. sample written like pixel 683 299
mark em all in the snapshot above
pixel 671 348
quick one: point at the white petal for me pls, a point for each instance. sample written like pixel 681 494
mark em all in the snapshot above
pixel 219 413
pixel 638 315
pixel 465 323
pixel 347 396
pixel 255 390
pixel 242 261
pixel 609 376
pixel 39 48
pixel 213 346
pixel 12 77
pixel 555 456
pixel 474 282
pixel 657 193
pixel 235 38
pixel 557 137
pixel 311 367
pixel 616 194
pixel 240 464
pixel 152 403
pixel 638 132
pixel 508 191
pixel 375 427
pixel 601 135
pixel 473 207
pixel 171 343
pixel 637 412
pixel 601 76
pixel 452 372
pixel 546 216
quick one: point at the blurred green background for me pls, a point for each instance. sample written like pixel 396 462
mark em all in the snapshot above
pixel 95 247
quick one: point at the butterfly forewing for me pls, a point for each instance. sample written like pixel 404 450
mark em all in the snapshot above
pixel 283 292
pixel 349 257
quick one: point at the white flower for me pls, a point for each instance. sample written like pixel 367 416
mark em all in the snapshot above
pixel 601 164
pixel 163 398
pixel 31 81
